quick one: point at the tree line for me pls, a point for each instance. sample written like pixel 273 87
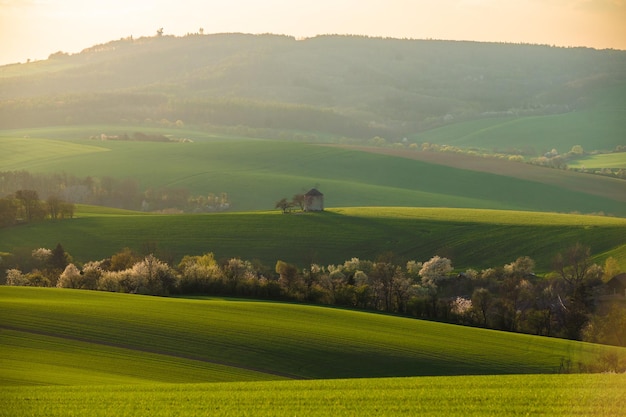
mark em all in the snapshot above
pixel 124 193
pixel 24 206
pixel 510 297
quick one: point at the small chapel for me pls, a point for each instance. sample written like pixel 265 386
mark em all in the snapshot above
pixel 313 200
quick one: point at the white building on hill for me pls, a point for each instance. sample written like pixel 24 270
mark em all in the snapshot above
pixel 313 200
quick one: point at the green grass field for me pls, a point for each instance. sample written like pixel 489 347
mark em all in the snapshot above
pixel 608 160
pixel 553 395
pixel 470 238
pixel 62 330
pixel 50 360
pixel 71 352
pixel 88 353
pixel 599 128
pixel 257 173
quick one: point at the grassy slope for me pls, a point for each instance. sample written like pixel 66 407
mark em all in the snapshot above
pixel 599 126
pixel 610 160
pixel 554 395
pixel 594 129
pixel 594 185
pixel 44 359
pixel 112 353
pixel 471 238
pixel 76 328
pixel 256 174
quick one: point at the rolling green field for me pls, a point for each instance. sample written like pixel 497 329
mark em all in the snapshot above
pixel 470 238
pixel 257 173
pixel 76 352
pixel 217 340
pixel 596 129
pixel 609 160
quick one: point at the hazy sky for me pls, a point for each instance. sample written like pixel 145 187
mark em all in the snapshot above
pixel 35 28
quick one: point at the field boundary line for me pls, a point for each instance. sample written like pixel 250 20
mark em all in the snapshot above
pixel 606 187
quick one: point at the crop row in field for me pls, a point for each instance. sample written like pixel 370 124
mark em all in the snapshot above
pixel 554 395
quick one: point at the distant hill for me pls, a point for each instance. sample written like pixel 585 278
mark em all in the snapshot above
pixel 350 86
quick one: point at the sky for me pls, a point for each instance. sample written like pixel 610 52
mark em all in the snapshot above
pixel 33 29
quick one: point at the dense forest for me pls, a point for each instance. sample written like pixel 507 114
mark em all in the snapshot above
pixel 350 86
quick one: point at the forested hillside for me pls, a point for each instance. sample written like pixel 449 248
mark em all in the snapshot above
pixel 343 86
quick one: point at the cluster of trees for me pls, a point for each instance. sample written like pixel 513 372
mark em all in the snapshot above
pixel 297 202
pixel 511 297
pixel 44 267
pixel 60 190
pixel 24 206
pixel 511 154
pixel 138 136
pixel 137 108
pixel 553 159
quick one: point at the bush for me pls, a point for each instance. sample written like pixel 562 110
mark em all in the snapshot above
pixel 16 278
pixel 70 278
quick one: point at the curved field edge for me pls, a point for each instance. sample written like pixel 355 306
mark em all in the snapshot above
pixel 283 339
pixel 601 186
pixel 471 238
pixel 554 395
pixel 43 358
pixel 487 216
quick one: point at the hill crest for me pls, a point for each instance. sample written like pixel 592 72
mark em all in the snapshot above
pixel 344 85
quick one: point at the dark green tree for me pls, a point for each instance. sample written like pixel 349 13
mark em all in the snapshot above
pixel 573 265
pixel 29 200
pixel 283 204
pixel 289 279
pixel 54 205
pixel 298 201
pixel 59 258
pixel 482 300
pixel 8 211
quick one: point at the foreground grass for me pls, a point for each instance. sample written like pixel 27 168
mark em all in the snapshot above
pixel 70 352
pixel 471 238
pixel 69 332
pixel 550 395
